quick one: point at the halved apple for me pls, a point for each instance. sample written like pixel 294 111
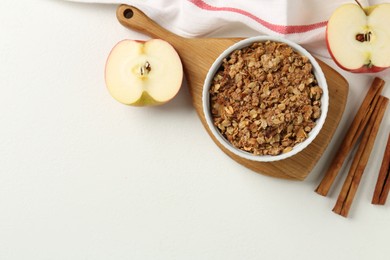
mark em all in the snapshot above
pixel 358 38
pixel 143 73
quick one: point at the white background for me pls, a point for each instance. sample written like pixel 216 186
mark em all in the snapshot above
pixel 84 177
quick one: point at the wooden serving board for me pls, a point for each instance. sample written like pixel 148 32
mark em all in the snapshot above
pixel 198 54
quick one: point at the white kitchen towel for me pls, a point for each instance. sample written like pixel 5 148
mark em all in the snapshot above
pixel 302 21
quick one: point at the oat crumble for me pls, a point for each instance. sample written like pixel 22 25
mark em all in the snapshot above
pixel 265 98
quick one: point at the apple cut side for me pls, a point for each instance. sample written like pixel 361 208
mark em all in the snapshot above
pixel 359 39
pixel 143 73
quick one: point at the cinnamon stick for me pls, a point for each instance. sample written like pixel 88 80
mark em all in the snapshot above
pixel 383 183
pixel 385 192
pixel 354 132
pixel 360 160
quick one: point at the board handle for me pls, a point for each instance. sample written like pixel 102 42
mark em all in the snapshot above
pixel 135 19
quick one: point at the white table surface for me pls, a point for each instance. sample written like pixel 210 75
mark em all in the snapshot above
pixel 84 177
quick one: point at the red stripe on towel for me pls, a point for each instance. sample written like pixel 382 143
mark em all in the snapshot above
pixel 282 29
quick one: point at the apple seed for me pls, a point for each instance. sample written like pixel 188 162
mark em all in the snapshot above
pixel 366 37
pixel 145 69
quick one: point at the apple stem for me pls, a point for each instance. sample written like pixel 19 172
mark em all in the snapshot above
pixel 360 5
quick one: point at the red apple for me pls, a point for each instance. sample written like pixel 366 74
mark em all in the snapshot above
pixel 143 73
pixel 358 39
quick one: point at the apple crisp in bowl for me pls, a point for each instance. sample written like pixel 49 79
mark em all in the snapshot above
pixel 265 98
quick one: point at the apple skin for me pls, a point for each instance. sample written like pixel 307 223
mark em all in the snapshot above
pixel 146 99
pixel 364 68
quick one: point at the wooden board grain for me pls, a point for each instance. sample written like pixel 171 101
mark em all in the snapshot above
pixel 198 54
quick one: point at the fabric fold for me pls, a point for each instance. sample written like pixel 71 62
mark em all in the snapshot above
pixel 302 21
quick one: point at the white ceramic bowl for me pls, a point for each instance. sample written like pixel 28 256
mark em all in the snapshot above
pixel 297 148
